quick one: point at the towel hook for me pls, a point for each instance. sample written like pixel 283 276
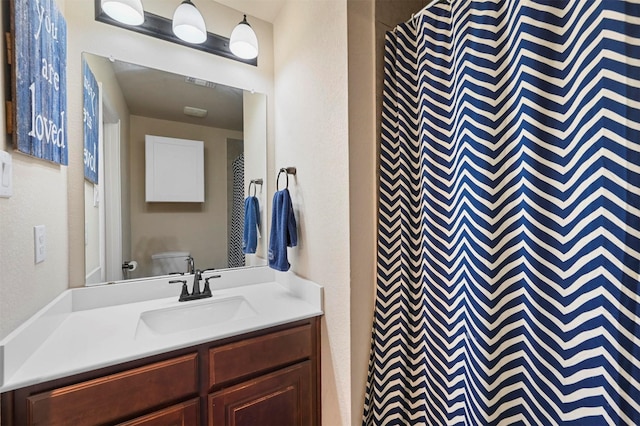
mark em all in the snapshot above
pixel 287 171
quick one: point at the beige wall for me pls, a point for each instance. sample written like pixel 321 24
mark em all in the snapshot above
pixel 39 198
pixel 363 185
pixel 311 122
pixel 160 227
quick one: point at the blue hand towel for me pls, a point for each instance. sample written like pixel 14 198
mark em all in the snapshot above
pixel 251 225
pixel 283 231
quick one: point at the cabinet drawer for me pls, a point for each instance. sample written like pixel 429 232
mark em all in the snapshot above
pixel 185 414
pixel 251 356
pixel 118 396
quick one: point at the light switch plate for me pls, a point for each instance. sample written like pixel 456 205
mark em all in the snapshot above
pixel 6 184
pixel 40 243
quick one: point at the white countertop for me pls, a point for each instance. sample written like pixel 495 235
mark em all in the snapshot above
pixel 93 327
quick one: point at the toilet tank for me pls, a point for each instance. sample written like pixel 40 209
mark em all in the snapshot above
pixel 169 261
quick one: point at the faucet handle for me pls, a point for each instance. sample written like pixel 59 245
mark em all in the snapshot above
pixel 185 291
pixel 207 289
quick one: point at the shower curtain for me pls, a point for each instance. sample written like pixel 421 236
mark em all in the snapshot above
pixel 509 222
pixel 236 256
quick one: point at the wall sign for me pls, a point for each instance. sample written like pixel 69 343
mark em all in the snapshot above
pixel 40 80
pixel 91 123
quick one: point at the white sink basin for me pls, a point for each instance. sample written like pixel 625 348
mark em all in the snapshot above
pixel 194 315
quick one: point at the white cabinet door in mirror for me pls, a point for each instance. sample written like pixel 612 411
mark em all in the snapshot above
pixel 174 170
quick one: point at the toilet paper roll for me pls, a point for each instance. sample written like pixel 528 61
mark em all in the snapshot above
pixel 133 265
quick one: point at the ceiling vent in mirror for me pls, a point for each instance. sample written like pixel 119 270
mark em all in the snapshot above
pixel 195 112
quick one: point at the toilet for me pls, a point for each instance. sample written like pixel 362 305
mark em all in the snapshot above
pixel 168 262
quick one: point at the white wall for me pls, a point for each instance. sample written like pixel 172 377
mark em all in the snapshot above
pixel 311 122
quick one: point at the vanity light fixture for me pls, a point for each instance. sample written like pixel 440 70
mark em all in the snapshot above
pixel 187 28
pixel 188 23
pixel 129 12
pixel 243 42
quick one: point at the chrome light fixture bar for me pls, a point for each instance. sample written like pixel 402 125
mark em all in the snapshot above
pixel 162 28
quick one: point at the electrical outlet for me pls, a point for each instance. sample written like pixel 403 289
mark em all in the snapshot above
pixel 40 243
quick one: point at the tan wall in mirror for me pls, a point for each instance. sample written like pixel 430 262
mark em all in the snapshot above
pixel 199 228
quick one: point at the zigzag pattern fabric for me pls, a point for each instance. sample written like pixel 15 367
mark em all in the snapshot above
pixel 509 230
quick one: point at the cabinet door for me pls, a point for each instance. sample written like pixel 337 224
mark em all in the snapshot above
pixel 282 398
pixel 185 414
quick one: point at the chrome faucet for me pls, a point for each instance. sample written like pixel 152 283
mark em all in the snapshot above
pixel 195 290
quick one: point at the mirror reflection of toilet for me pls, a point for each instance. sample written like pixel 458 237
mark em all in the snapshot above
pixel 169 262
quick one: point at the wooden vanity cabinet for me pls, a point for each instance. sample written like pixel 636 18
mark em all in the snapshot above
pixel 268 377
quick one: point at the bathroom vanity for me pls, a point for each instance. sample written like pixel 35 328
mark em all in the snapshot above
pixel 113 356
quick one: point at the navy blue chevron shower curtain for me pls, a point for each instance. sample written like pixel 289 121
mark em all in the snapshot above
pixel 509 230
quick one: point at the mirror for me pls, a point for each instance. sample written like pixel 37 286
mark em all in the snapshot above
pixel 120 226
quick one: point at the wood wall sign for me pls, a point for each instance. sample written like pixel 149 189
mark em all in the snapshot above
pixel 39 80
pixel 91 119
